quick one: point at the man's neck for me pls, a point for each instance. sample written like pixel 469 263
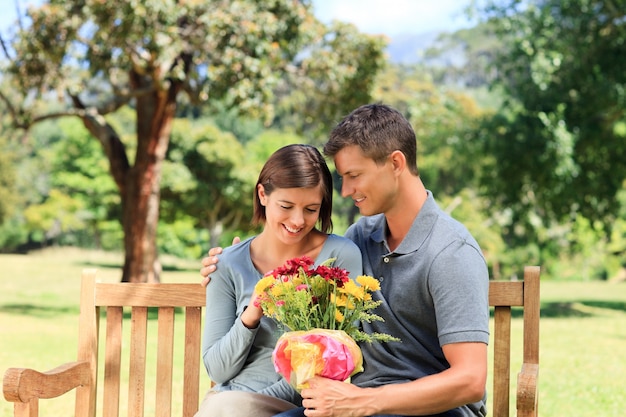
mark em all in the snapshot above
pixel 400 217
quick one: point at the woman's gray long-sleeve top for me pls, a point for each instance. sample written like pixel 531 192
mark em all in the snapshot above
pixel 238 358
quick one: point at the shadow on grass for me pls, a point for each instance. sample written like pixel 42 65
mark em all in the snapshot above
pixel 100 265
pixel 54 311
pixel 38 310
pixel 564 310
pixel 569 309
pixel 582 308
pixel 117 266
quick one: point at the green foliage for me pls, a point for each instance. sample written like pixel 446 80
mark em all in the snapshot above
pixel 12 234
pixel 54 216
pixel 205 178
pixel 25 179
pixel 181 238
pixel 264 145
pixel 464 58
pixel 448 158
pixel 229 120
pixel 8 197
pixel 334 75
pixel 553 152
pixel 558 146
pixel 230 52
pixel 81 194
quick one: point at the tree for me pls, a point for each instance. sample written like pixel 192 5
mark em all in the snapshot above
pixel 7 181
pixel 78 171
pixel 463 58
pixel 448 158
pixel 101 56
pixel 336 74
pixel 206 178
pixel 558 144
pixel 8 176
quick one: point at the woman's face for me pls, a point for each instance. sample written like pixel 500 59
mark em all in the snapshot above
pixel 291 213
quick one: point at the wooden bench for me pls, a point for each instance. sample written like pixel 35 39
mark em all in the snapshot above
pixel 24 387
pixel 502 297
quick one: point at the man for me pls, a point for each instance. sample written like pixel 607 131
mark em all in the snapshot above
pixel 434 283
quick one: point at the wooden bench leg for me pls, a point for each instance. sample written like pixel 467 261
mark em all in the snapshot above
pixel 29 409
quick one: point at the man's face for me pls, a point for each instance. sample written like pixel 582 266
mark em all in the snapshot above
pixel 372 187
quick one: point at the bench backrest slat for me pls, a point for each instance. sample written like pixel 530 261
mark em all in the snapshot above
pixel 113 362
pixel 165 362
pixel 191 372
pixel 501 361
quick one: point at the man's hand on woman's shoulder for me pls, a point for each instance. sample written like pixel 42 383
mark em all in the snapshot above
pixel 209 262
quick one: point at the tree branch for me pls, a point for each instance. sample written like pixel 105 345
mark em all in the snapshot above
pixel 108 137
pixel 4 48
pixel 12 110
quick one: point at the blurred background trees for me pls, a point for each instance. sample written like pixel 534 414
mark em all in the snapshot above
pixel 172 109
pixel 100 57
pixel 558 141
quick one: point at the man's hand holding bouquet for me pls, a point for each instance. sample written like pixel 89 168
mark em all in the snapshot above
pixel 320 308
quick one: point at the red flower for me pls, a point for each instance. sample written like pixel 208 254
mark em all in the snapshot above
pixel 333 273
pixel 292 266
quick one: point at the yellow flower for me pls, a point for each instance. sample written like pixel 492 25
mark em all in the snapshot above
pixel 276 291
pixel 281 289
pixel 339 301
pixel 370 283
pixel 270 308
pixel 339 317
pixel 263 284
pixel 353 290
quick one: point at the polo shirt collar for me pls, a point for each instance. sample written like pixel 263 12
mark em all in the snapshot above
pixel 419 231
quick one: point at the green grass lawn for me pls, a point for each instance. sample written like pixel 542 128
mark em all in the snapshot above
pixel 583 329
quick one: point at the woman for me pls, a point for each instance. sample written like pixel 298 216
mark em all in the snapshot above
pixel 293 202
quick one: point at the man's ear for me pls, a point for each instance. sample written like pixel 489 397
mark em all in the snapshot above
pixel 398 161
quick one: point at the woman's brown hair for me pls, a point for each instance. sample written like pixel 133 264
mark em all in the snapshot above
pixel 296 166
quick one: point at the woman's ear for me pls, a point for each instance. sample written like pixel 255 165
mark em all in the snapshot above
pixel 261 193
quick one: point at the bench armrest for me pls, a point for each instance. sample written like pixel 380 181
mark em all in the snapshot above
pixel 23 385
pixel 527 390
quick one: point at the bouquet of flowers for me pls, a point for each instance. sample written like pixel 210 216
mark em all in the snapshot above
pixel 320 308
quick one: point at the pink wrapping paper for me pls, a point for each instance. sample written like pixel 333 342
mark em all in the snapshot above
pixel 301 355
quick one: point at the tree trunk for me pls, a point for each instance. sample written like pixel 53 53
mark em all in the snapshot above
pixel 140 216
pixel 215 233
pixel 155 114
pixel 139 185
